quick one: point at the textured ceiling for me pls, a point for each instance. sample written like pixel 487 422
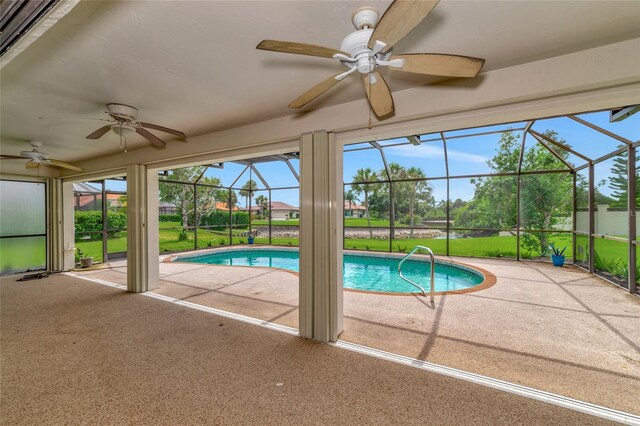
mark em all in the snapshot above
pixel 193 66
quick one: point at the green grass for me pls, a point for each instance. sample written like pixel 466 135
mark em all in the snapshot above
pixel 493 246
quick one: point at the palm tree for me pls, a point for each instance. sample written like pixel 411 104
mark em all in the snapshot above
pixel 416 188
pixel 351 197
pixel 263 202
pixel 363 176
pixel 247 191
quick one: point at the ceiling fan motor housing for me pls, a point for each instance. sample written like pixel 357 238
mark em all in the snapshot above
pixel 356 45
pixel 122 112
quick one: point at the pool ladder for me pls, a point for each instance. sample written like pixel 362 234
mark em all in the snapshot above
pixel 433 261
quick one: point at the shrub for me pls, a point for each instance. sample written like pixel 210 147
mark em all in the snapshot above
pixel 170 218
pixel 183 236
pixel 91 221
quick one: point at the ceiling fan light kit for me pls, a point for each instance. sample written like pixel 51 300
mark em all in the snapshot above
pixel 370 47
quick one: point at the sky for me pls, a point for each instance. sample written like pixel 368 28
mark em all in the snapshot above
pixel 466 154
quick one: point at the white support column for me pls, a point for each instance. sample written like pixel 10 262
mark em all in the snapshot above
pixel 153 239
pixel 320 237
pixel 137 256
pixel 55 224
pixel 69 227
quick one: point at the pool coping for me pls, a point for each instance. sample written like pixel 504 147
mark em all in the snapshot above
pixel 489 279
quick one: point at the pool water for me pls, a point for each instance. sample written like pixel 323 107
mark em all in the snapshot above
pixel 361 272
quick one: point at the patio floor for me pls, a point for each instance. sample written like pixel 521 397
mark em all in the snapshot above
pixel 559 330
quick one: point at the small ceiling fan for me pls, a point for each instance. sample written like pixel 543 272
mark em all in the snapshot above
pixel 370 47
pixel 37 157
pixel 125 123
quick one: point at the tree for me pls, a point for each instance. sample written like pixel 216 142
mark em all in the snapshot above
pixel 263 202
pixel 409 192
pixel 619 181
pixel 247 191
pixel 364 176
pixel 182 196
pixel 544 197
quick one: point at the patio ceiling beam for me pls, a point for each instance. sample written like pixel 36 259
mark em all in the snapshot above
pixel 239 176
pixel 264 182
pixel 555 154
pixel 522 146
pixel 560 145
pixel 601 130
pixel 293 170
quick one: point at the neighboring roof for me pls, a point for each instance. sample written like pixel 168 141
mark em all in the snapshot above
pixel 279 205
pixel 353 206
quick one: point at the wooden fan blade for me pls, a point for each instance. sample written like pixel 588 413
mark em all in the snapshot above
pixel 63 164
pixel 314 92
pixel 32 165
pixel 379 95
pixel 156 141
pixel 99 133
pixel 298 48
pixel 400 18
pixel 163 129
pixel 11 157
pixel 438 64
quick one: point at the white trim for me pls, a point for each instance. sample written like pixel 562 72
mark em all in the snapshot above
pixel 548 397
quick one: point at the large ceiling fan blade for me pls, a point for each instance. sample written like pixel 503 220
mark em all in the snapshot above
pixel 10 157
pixel 400 17
pixel 379 94
pixel 439 64
pixel 63 164
pixel 163 129
pixel 100 132
pixel 299 48
pixel 32 165
pixel 156 141
pixel 314 92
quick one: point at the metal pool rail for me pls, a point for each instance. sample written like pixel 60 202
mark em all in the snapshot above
pixel 433 268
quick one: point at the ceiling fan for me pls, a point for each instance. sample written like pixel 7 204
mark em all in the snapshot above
pixel 37 157
pixel 125 123
pixel 370 47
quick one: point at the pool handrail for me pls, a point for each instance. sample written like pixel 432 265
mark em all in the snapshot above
pixel 433 261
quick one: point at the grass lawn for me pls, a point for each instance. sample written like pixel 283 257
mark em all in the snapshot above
pixel 494 246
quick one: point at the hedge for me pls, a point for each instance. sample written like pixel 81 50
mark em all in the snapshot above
pixel 91 221
pixel 218 218
pixel 170 218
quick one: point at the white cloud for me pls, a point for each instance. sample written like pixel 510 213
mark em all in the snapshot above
pixel 431 151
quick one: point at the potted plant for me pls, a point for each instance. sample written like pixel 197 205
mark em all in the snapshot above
pixel 557 256
pixel 85 261
pixel 250 238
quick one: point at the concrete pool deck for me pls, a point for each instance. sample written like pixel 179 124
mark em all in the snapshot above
pixel 559 330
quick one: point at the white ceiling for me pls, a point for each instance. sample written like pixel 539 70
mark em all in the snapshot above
pixel 193 66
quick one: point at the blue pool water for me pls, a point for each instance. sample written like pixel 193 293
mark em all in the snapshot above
pixel 361 272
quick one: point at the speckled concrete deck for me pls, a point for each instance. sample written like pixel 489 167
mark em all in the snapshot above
pixel 76 352
pixel 559 330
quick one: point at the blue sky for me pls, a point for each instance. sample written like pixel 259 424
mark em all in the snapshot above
pixel 467 155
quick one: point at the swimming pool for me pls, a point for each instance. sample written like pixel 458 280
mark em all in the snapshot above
pixel 360 271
